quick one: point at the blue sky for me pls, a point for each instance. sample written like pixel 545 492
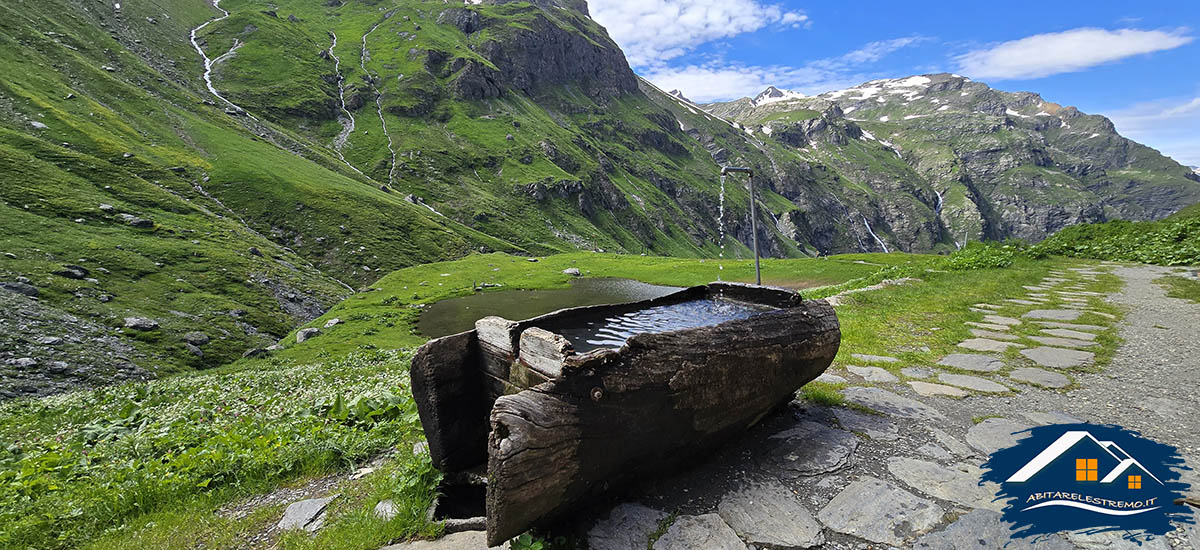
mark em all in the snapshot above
pixel 1136 62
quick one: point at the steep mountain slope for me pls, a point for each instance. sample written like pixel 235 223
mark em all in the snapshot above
pixel 989 164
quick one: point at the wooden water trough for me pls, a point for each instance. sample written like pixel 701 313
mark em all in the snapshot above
pixel 557 429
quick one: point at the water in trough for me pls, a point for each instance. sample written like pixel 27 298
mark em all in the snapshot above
pixel 613 331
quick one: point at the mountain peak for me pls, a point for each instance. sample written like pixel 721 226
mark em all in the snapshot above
pixel 774 95
pixel 679 95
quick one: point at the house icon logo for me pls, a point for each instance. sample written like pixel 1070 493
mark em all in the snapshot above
pixel 1084 476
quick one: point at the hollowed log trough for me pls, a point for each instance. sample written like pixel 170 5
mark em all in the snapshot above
pixel 558 429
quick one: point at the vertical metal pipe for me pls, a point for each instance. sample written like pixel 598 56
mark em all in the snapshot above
pixel 754 232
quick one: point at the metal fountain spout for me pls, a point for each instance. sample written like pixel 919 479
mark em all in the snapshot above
pixel 753 215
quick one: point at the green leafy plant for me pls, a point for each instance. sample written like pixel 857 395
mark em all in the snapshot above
pixel 527 542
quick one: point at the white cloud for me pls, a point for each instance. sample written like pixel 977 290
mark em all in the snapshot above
pixel 1167 125
pixel 654 31
pixel 1064 52
pixel 718 81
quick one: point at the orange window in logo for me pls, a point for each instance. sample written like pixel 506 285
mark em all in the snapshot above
pixel 1086 469
pixel 1135 482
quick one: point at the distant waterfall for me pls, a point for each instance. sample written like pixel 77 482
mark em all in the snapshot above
pixel 872 232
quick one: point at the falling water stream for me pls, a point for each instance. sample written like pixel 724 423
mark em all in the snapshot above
pixel 877 239
pixel 210 63
pixel 347 121
pixel 366 54
pixel 721 229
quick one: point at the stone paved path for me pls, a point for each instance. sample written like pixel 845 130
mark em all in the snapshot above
pixel 816 476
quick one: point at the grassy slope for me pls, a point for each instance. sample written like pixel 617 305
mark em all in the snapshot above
pixel 245 430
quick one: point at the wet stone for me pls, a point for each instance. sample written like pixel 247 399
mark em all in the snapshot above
pixel 627 527
pixel 874 358
pixel 889 403
pixel 1039 377
pixel 974 383
pixel 707 531
pixel 873 426
pixel 873 374
pixel 972 362
pixel 984 344
pixel 880 512
pixel 1053 314
pixel 769 515
pixel 810 449
pixel 1058 358
pixel 1062 342
pixel 958 483
pixel 980 529
pixel 994 434
pixel 928 389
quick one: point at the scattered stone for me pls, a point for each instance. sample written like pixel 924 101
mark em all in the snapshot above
pixel 572 271
pixel 21 288
pixel 1039 377
pixel 999 320
pixel 874 358
pixel 196 338
pixel 706 531
pixel 1053 314
pixel 194 350
pixel 627 527
pixel 873 374
pixel 1071 326
pixel 980 529
pixel 1102 314
pixel 811 449
pixel 255 353
pixel 531 260
pixel 934 451
pixel 880 512
pixel 928 389
pixel 254 251
pixel 385 510
pixel 58 368
pixel 141 223
pixel 958 483
pixel 992 335
pixel 1059 358
pixel 108 208
pixel 827 378
pixel 875 426
pixel 333 323
pixel 1062 342
pixel 10 255
pixel 25 362
pixel 972 383
pixel 465 540
pixel 988 326
pixel 420 448
pixel 305 514
pixel 770 516
pixel 1068 333
pixel 917 372
pixel 984 344
pixel 141 323
pixel 73 272
pixel 994 434
pixel 305 334
pixel 887 402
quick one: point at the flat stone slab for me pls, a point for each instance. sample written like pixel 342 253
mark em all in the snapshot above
pixel 304 514
pixel 1053 314
pixel 993 335
pixel 704 531
pixel 769 515
pixel 984 344
pixel 1071 326
pixel 875 426
pixel 889 403
pixel 1053 417
pixel 466 540
pixel 810 449
pixel 879 512
pixel 928 389
pixel 1001 320
pixel 1068 333
pixel 986 306
pixel 1039 377
pixel 980 529
pixel 994 434
pixel 627 527
pixel 1019 301
pixel 1102 314
pixel 974 383
pixel 987 326
pixel 1062 342
pixel 958 483
pixel 950 442
pixel 873 374
pixel 1113 540
pixel 874 358
pixel 827 378
pixel 917 372
pixel 1059 358
pixel 932 450
pixel 972 362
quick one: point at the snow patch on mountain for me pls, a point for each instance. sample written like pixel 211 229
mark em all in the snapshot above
pixel 775 95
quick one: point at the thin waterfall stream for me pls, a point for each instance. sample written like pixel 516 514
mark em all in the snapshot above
pixel 366 54
pixel 210 63
pixel 721 230
pixel 872 232
pixel 347 121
